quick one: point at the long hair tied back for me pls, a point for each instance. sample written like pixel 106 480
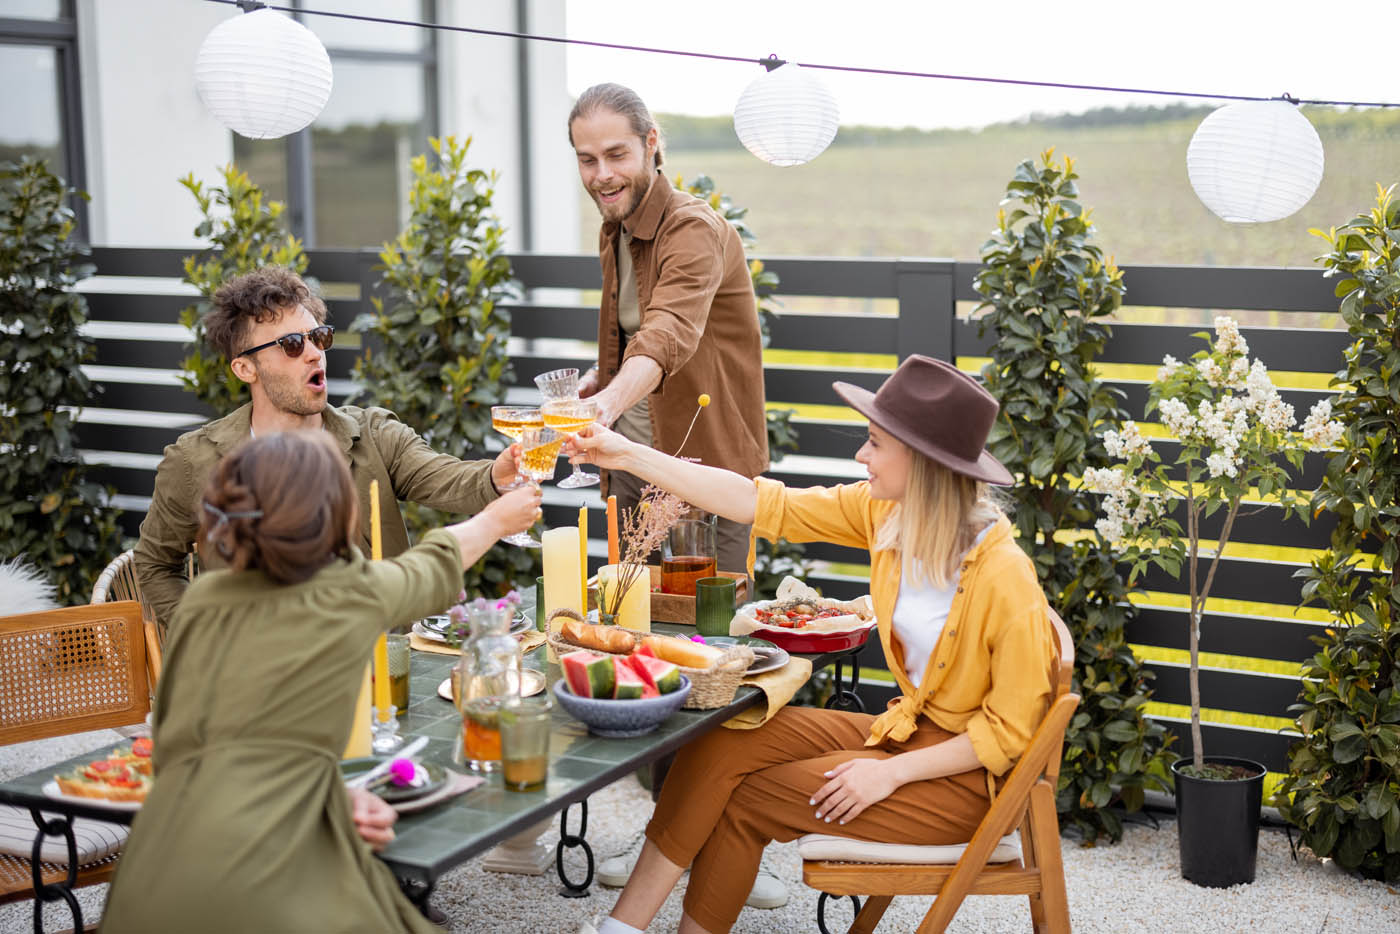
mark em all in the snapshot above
pixel 283 504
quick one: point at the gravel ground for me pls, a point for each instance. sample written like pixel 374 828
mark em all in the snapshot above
pixel 1133 886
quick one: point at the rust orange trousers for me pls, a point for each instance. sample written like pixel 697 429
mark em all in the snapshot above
pixel 732 791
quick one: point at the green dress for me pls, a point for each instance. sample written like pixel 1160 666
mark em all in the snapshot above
pixel 248 827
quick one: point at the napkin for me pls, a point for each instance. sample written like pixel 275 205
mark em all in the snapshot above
pixel 777 686
pixel 456 784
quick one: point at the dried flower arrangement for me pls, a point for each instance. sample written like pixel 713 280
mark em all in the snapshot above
pixel 644 528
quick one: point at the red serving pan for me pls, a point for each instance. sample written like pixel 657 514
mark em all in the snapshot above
pixel 814 643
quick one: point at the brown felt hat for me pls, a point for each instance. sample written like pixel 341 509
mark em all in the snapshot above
pixel 938 411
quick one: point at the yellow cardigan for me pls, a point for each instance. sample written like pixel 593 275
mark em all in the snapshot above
pixel 990 672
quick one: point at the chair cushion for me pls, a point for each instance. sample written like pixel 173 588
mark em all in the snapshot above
pixel 844 849
pixel 96 839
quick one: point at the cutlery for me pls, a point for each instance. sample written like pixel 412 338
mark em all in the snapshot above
pixel 364 778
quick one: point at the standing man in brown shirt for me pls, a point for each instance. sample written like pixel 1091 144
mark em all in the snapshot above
pixel 678 316
pixel 272 328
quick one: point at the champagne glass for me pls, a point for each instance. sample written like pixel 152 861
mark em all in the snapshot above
pixel 511 421
pixel 569 416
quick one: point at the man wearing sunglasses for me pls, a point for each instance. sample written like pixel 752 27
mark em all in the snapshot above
pixel 273 331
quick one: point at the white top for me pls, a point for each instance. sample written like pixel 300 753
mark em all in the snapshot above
pixel 919 615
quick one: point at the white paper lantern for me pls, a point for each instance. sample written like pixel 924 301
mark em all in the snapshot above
pixel 786 116
pixel 263 74
pixel 1255 161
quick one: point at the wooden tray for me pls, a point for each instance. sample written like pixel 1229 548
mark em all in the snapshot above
pixel 674 607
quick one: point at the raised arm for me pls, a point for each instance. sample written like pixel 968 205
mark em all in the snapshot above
pixel 712 489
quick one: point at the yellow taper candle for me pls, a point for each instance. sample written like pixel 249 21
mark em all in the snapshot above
pixel 561 575
pixel 359 743
pixel 635 612
pixel 381 645
pixel 583 555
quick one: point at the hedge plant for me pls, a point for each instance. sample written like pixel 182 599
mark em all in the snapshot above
pixel 1047 293
pixel 1343 783
pixel 773 560
pixel 436 351
pixel 246 233
pixel 50 512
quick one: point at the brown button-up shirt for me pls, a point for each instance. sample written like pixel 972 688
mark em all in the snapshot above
pixel 378 447
pixel 699 323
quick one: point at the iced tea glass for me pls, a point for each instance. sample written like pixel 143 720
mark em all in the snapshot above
pixel 525 730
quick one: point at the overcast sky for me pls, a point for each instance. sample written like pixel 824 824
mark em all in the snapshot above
pixel 1307 49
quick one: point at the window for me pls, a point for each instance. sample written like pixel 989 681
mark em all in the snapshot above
pixel 38 54
pixel 345 178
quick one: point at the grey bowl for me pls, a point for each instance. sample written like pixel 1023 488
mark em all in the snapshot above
pixel 621 718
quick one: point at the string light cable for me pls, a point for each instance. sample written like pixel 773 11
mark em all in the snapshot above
pixel 772 61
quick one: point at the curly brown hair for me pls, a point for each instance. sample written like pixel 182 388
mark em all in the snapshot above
pixel 283 504
pixel 252 298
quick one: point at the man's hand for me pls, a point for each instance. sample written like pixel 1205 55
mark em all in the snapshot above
pixel 374 820
pixel 505 470
pixel 588 383
pixel 854 786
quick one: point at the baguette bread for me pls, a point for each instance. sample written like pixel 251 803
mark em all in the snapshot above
pixel 609 639
pixel 682 652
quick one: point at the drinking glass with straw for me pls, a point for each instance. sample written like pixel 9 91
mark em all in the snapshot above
pixel 562 386
pixel 511 421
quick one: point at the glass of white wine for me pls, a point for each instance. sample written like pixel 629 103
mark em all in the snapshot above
pixel 569 416
pixel 511 421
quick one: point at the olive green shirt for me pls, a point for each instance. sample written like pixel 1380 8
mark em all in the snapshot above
pixel 378 447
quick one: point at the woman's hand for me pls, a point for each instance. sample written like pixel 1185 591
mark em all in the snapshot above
pixel 374 820
pixel 853 787
pixel 597 445
pixel 515 511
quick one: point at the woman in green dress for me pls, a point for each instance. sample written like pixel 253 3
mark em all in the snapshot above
pixel 248 826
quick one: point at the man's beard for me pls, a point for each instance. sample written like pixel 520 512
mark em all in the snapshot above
pixel 637 187
pixel 289 397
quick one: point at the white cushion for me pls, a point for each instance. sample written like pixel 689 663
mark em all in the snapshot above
pixel 96 839
pixel 844 849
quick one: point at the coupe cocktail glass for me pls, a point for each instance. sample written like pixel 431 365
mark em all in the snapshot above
pixel 569 416
pixel 511 421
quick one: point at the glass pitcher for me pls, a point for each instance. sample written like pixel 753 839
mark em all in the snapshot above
pixel 688 553
pixel 487 673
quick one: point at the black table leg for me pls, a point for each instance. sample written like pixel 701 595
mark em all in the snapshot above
pixel 418 892
pixel 570 841
pixel 846 698
pixel 55 827
pixel 821 910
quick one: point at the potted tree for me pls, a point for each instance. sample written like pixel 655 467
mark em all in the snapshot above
pixel 1230 423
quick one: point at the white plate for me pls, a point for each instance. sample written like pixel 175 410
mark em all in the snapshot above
pixel 51 789
pixel 428 633
pixel 766 659
pixel 518 624
pixel 534 684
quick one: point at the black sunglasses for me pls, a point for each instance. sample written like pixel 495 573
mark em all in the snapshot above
pixel 293 344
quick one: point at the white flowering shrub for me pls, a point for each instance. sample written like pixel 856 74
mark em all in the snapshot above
pixel 1233 427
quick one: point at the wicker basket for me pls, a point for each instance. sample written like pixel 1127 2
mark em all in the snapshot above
pixel 709 687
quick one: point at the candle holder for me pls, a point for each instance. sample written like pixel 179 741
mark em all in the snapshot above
pixel 384 734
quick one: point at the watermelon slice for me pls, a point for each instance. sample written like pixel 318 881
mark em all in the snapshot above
pixel 629 685
pixel 662 675
pixel 588 673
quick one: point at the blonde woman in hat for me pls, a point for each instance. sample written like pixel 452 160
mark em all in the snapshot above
pixel 962 621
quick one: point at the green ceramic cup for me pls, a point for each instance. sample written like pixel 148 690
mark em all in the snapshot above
pixel 714 605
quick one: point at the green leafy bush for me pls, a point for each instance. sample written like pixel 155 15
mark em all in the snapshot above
pixel 246 233
pixel 437 348
pixel 1047 292
pixel 772 560
pixel 1343 783
pixel 50 513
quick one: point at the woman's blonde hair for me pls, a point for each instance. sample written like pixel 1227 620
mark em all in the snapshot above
pixel 936 522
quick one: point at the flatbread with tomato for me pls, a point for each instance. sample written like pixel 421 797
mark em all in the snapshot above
pixel 799 607
pixel 125 775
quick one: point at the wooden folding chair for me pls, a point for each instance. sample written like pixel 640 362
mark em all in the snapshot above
pixel 68 671
pixel 1027 798
pixel 118 582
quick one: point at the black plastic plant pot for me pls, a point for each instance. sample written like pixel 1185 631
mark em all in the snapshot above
pixel 1218 823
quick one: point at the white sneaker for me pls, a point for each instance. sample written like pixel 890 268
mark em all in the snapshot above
pixel 614 872
pixel 768 892
pixel 587 928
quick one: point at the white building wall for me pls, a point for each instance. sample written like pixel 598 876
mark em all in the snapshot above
pixel 145 126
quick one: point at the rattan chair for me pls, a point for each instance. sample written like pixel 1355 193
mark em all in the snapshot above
pixel 118 582
pixel 68 671
pixel 1027 799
